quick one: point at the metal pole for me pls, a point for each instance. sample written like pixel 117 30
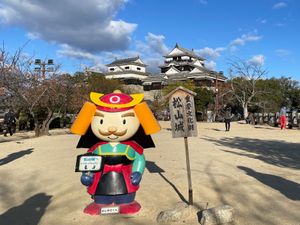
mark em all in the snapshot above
pixel 187 157
pixel 217 97
pixel 43 70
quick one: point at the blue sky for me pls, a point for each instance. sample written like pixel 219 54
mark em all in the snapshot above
pixel 92 33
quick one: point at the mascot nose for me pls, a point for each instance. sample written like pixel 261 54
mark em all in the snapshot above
pixel 112 129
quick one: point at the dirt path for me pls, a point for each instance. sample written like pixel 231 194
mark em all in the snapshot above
pixel 256 169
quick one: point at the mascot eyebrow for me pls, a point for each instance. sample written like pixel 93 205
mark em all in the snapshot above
pixel 99 114
pixel 128 114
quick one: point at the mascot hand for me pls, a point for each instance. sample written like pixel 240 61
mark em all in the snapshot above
pixel 87 179
pixel 136 178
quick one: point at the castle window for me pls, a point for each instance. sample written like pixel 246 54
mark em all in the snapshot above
pixel 138 68
pixel 111 69
pixel 126 67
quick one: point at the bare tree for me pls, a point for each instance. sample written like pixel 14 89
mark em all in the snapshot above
pixel 10 72
pixel 42 97
pixel 244 77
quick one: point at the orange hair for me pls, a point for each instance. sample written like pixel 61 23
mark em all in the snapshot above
pixel 84 119
pixel 146 118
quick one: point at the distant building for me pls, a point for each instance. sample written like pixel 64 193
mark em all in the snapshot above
pixel 180 65
pixel 129 70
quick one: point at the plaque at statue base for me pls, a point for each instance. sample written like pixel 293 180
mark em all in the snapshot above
pixel 104 209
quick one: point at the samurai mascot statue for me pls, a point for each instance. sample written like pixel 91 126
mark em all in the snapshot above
pixel 115 127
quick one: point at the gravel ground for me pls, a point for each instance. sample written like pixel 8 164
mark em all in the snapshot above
pixel 255 169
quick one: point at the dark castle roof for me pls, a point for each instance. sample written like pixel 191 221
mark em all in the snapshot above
pixel 184 75
pixel 127 72
pixel 126 61
pixel 179 63
pixel 185 51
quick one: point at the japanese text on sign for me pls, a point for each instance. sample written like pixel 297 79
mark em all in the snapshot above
pixel 182 112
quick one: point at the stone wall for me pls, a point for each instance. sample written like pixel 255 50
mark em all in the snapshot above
pixel 149 95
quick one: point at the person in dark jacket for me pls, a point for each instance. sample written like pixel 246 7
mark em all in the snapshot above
pixel 228 116
pixel 9 122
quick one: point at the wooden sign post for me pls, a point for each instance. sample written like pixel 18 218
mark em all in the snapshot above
pixel 183 123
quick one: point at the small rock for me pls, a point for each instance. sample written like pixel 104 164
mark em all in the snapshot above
pixel 174 215
pixel 217 215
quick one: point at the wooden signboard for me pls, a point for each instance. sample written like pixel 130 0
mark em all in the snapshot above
pixel 183 123
pixel 182 112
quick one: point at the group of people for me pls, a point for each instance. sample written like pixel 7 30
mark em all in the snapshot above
pixel 9 123
pixel 10 120
pixel 228 116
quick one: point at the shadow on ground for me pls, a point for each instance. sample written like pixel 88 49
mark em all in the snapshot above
pixel 215 129
pixel 286 187
pixel 153 168
pixel 266 128
pixel 16 155
pixel 14 138
pixel 278 153
pixel 30 212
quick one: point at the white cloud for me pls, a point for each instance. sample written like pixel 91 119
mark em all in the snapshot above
pixel 210 53
pixel 151 51
pixel 279 5
pixel 68 51
pixel 211 65
pixel 258 60
pixel 244 39
pixel 153 64
pixel 33 36
pixel 156 42
pixel 7 14
pixel 282 53
pixel 87 25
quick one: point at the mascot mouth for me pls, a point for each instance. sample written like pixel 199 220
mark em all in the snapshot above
pixel 115 133
pixel 111 138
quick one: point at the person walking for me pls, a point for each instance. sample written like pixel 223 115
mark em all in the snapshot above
pixel 228 116
pixel 22 121
pixel 282 118
pixel 209 116
pixel 10 122
pixel 250 119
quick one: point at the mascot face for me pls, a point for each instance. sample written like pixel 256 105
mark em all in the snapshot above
pixel 115 126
